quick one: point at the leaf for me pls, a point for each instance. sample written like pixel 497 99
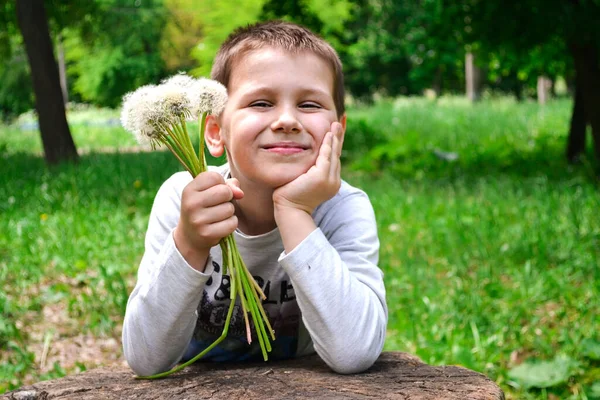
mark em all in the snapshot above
pixel 543 374
pixel 594 391
pixel 590 348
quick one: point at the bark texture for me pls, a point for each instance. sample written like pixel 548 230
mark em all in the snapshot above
pixel 49 104
pixel 586 60
pixel 394 376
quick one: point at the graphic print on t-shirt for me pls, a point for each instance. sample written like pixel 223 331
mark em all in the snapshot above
pixel 280 306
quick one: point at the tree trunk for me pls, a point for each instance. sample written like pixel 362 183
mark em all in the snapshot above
pixel 585 57
pixel 62 69
pixel 576 140
pixel 56 137
pixel 437 82
pixel 394 376
pixel 544 85
pixel 473 78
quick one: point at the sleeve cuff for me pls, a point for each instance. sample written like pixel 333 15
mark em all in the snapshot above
pixel 180 266
pixel 312 245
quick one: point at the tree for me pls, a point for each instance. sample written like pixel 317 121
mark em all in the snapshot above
pixel 528 25
pixel 56 136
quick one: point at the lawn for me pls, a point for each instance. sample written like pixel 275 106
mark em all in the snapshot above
pixel 490 242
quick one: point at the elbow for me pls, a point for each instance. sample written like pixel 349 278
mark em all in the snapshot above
pixel 142 370
pixel 353 365
pixel 362 356
pixel 357 362
pixel 139 357
pixel 142 366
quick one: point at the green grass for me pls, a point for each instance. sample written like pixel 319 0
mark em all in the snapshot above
pixel 490 260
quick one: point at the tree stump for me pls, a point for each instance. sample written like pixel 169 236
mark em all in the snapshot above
pixel 394 376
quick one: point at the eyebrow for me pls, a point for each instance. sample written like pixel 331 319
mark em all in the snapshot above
pixel 270 91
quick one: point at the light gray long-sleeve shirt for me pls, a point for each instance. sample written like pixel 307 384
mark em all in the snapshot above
pixel 327 295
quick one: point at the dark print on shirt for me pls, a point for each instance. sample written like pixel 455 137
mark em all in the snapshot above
pixel 280 306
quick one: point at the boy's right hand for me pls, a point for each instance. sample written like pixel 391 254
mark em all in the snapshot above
pixel 207 216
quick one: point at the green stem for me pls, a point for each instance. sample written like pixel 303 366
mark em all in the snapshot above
pixel 170 147
pixel 202 354
pixel 170 137
pixel 201 144
pixel 189 146
pixel 258 326
pixel 256 295
pixel 247 272
pixel 179 134
pixel 239 274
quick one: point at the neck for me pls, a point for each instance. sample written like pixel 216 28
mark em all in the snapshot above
pixel 255 210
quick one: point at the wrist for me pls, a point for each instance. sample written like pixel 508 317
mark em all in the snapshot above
pixel 194 256
pixel 294 226
pixel 289 212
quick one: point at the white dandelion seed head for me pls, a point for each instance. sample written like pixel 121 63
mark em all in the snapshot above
pixel 173 101
pixel 208 96
pixel 181 79
pixel 139 113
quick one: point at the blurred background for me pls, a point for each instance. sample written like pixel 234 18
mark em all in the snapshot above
pixel 473 126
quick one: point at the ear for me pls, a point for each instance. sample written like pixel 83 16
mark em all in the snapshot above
pixel 213 136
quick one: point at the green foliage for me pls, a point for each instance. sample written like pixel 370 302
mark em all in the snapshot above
pixel 324 17
pixel 543 374
pixel 219 19
pixel 124 54
pixel 361 136
pixel 181 34
pixel 375 57
pixel 594 391
pixel 16 93
pixel 590 348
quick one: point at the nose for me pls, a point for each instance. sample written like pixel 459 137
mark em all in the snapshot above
pixel 286 122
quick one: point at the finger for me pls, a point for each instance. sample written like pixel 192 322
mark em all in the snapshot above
pixel 223 228
pixel 214 214
pixel 215 195
pixel 338 133
pixel 342 137
pixel 234 185
pixel 336 169
pixel 336 149
pixel 206 180
pixel 324 158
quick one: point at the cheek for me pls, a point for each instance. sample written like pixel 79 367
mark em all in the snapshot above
pixel 249 124
pixel 319 126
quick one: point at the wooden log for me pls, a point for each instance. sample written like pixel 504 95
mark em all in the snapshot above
pixel 394 376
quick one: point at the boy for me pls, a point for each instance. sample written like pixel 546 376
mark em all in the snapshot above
pixel 309 239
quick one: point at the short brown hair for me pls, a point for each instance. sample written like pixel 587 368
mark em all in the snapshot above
pixel 283 35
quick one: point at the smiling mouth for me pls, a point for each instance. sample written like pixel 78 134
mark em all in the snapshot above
pixel 285 145
pixel 285 148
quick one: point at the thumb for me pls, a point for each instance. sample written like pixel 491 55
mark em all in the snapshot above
pixel 234 185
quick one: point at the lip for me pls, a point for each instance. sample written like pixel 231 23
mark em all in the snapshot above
pixel 285 148
pixel 285 145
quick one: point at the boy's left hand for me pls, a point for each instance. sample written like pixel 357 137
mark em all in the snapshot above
pixel 320 183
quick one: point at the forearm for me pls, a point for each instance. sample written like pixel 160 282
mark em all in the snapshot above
pixel 345 316
pixel 161 313
pixel 294 226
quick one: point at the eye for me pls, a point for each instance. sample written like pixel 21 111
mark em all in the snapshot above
pixel 260 104
pixel 310 105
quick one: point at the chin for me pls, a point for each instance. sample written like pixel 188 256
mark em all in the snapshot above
pixel 280 178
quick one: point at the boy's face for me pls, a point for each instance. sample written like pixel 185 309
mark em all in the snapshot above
pixel 279 109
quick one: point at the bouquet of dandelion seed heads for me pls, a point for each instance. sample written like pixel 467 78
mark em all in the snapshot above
pixel 158 115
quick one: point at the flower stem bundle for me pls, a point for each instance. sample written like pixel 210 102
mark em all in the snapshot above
pixel 158 115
